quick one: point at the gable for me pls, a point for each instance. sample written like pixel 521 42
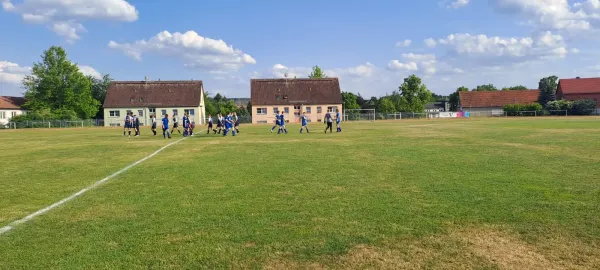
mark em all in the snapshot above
pixel 154 94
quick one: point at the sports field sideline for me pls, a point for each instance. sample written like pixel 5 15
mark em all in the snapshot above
pixel 520 193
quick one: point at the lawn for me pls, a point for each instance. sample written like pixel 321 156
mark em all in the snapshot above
pixel 508 193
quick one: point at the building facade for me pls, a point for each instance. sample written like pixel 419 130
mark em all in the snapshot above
pixel 492 102
pixel 314 97
pixel 10 107
pixel 578 89
pixel 147 98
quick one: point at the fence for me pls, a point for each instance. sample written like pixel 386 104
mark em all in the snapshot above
pixel 55 124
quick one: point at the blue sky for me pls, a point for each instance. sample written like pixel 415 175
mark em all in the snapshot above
pixel 370 45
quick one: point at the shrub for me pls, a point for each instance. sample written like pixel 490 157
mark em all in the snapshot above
pixel 559 105
pixel 583 107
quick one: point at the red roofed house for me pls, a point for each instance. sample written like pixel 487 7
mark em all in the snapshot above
pixel 493 102
pixel 10 107
pixel 579 88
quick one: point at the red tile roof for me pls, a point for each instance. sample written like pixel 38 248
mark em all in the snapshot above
pixel 126 94
pixel 580 86
pixel 11 102
pixel 484 99
pixel 295 91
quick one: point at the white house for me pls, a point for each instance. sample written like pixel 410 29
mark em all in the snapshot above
pixel 10 107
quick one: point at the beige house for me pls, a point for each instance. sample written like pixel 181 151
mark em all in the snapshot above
pixel 315 97
pixel 10 107
pixel 146 98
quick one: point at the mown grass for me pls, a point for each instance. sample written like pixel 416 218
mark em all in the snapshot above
pixel 474 193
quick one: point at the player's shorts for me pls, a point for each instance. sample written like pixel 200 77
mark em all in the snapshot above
pixel 210 125
pixel 127 125
pixel 175 125
pixel 153 125
pixel 186 125
pixel 237 123
pixel 337 122
pixel 219 124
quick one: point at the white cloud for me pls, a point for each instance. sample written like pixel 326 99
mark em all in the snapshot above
pixel 281 71
pixel 404 43
pixel 12 73
pixel 89 71
pixel 193 50
pixel 575 50
pixel 364 70
pixel 426 64
pixel 459 3
pixel 430 42
pixel 64 17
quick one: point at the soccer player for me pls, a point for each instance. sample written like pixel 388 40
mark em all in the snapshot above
pixel 153 117
pixel 329 122
pixel 276 122
pixel 229 124
pixel 136 125
pixel 304 125
pixel 175 125
pixel 127 124
pixel 219 123
pixel 282 124
pixel 338 120
pixel 186 125
pixel 165 127
pixel 210 125
pixel 236 122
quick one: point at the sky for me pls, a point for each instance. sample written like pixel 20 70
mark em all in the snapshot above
pixel 371 46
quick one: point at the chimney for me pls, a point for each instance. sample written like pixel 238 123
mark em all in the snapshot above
pixel 146 78
pixel 577 78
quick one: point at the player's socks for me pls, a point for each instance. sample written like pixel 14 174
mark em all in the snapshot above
pixel 233 132
pixel 300 130
pixel 307 130
pixel 130 133
pixel 285 129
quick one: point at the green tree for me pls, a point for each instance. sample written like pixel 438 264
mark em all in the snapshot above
pixel 547 88
pixel 249 107
pixel 209 105
pixel 516 87
pixel 58 85
pixel 349 101
pixel 317 73
pixel 486 87
pixel 241 111
pixel 454 98
pixel 227 106
pixel 99 88
pixel 414 95
pixel 386 106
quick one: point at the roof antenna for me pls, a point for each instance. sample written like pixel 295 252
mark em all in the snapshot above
pixel 146 78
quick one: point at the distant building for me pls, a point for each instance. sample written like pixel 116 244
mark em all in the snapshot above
pixel 316 97
pixel 439 106
pixel 10 107
pixel 493 102
pixel 146 98
pixel 579 88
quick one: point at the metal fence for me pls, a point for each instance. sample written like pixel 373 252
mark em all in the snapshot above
pixel 55 124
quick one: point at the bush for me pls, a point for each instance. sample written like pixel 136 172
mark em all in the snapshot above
pixel 583 107
pixel 46 115
pixel 518 109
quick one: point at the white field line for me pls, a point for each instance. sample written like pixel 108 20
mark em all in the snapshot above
pixel 81 192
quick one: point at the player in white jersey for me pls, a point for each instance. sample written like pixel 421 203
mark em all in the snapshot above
pixel 209 123
pixel 153 117
pixel 175 124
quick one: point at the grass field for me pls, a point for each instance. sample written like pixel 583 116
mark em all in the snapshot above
pixel 520 193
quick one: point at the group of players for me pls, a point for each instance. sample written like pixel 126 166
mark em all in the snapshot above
pixel 280 122
pixel 231 122
pixel 133 122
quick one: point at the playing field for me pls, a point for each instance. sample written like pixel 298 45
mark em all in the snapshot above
pixel 521 193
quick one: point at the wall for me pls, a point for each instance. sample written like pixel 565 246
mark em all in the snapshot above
pixel 595 97
pixel 485 111
pixel 313 116
pixel 8 114
pixel 197 118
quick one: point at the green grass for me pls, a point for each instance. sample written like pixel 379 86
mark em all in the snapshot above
pixel 473 193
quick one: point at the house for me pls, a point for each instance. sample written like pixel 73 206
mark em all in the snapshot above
pixel 10 107
pixel 146 98
pixel 492 102
pixel 439 106
pixel 294 96
pixel 579 88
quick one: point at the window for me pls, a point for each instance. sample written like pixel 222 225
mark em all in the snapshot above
pixel 286 110
pixel 332 109
pixel 128 111
pixel 190 111
pixel 319 120
pixel 284 96
pixel 275 110
pixel 296 107
pixel 319 111
pixel 132 100
pixel 2 115
pixel 141 113
pixel 296 114
pixel 261 110
pixel 308 119
pixel 141 99
pixel 308 109
pixel 175 112
pixel 114 113
pixel 115 124
pixel 13 114
pixel 152 110
pixel 164 112
pixel 278 97
pixel 261 122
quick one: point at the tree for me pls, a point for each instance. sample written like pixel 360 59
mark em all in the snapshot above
pixel 99 88
pixel 454 98
pixel 349 101
pixel 516 87
pixel 249 107
pixel 486 87
pixel 241 111
pixel 414 95
pixel 361 101
pixel 547 88
pixel 386 106
pixel 209 106
pixel 317 73
pixel 58 85
pixel 226 107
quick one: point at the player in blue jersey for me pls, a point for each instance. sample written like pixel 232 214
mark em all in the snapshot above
pixel 127 126
pixel 338 119
pixel 165 127
pixel 136 125
pixel 276 122
pixel 282 124
pixel 186 125
pixel 304 121
pixel 229 124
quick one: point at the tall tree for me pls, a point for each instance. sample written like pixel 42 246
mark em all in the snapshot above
pixel 99 88
pixel 317 73
pixel 57 84
pixel 547 88
pixel 486 87
pixel 414 95
pixel 386 106
pixel 209 105
pixel 454 98
pixel 249 107
pixel 349 101
pixel 361 101
pixel 516 87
